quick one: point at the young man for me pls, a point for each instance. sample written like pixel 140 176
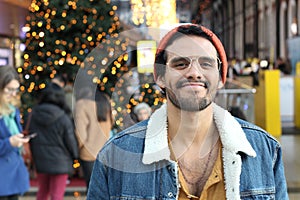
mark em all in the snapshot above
pixel 190 148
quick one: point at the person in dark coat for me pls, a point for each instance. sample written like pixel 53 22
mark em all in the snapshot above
pixel 55 147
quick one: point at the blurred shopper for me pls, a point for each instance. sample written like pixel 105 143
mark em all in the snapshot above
pixel 190 148
pixel 142 111
pixel 284 66
pixel 14 179
pixel 60 80
pixel 55 147
pixel 93 121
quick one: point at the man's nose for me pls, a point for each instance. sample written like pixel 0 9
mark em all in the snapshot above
pixel 194 70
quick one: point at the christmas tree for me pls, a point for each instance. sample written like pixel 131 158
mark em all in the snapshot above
pixel 61 35
pixel 80 39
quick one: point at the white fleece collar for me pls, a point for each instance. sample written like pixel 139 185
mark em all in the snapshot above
pixel 156 142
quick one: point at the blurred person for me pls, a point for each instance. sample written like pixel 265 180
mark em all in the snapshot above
pixel 283 66
pixel 55 147
pixel 190 148
pixel 93 122
pixel 60 80
pixel 14 175
pixel 142 111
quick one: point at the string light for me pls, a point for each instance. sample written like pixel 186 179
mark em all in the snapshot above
pixel 153 13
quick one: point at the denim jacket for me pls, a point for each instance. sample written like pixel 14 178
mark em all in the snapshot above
pixel 136 164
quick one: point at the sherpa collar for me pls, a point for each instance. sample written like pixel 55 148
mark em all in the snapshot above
pixel 156 148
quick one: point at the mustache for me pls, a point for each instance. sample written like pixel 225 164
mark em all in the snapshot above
pixel 181 83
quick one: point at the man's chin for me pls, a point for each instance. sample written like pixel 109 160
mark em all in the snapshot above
pixel 191 105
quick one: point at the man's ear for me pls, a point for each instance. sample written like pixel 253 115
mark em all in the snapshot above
pixel 160 81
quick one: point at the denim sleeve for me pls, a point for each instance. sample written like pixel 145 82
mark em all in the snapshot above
pixel 280 180
pixel 98 187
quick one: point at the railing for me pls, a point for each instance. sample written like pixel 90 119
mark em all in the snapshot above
pixel 238 98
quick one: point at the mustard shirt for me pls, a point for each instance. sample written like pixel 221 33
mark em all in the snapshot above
pixel 214 188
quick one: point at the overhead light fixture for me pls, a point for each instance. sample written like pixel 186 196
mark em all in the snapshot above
pixel 294 27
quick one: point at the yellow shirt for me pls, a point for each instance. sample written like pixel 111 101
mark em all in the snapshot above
pixel 214 188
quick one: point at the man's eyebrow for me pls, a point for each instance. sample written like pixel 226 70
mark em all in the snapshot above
pixel 207 58
pixel 179 58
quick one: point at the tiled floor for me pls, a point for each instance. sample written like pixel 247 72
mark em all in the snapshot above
pixel 290 142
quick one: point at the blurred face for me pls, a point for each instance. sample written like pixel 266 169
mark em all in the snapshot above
pixel 11 90
pixel 142 114
pixel 192 75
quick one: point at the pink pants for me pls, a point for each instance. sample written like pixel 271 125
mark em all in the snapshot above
pixel 53 185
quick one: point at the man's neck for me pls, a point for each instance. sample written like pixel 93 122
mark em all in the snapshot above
pixel 187 129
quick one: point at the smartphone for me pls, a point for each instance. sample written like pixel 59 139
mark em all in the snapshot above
pixel 31 135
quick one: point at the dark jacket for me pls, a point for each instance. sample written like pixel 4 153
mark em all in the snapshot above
pixel 55 146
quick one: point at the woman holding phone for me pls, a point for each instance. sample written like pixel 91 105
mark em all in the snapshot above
pixel 14 175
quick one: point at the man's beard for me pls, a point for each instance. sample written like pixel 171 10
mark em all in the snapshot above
pixel 191 102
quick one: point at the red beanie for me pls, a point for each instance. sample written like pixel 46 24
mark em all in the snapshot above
pixel 215 41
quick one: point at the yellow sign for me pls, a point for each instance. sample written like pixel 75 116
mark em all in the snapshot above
pixel 145 55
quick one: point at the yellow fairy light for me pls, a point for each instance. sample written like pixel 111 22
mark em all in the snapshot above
pixel 26 56
pixel 62 27
pixel 40 24
pixel 36 8
pixel 42 85
pixel 104 61
pixel 41 34
pixel 41 44
pixel 105 79
pixel 89 38
pixel 95 80
pixel 39 68
pixel 61 61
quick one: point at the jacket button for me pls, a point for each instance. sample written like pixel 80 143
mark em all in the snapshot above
pixel 170 194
